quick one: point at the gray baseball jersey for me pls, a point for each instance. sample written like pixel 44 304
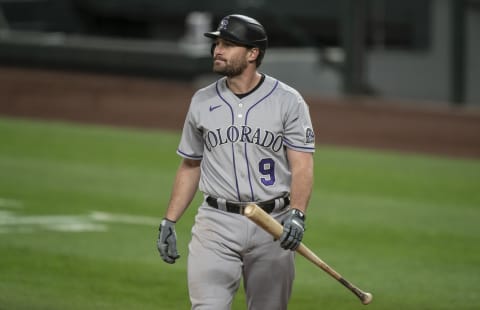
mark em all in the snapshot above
pixel 241 142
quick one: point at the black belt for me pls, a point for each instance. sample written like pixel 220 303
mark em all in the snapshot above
pixel 238 207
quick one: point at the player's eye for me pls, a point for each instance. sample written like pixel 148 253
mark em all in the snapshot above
pixel 224 43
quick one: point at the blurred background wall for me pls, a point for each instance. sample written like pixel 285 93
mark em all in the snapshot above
pixel 421 50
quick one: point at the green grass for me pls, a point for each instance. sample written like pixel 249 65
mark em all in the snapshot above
pixel 403 226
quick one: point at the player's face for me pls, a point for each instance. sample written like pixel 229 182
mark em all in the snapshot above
pixel 229 59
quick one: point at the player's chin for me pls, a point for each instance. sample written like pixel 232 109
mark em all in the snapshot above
pixel 219 69
pixel 219 64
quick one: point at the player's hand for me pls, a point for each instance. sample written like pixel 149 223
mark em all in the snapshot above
pixel 293 229
pixel 167 241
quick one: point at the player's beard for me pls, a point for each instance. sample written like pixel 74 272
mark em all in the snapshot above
pixel 231 68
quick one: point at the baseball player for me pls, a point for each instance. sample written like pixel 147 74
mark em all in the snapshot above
pixel 247 138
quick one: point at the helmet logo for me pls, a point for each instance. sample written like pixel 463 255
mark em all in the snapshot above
pixel 223 24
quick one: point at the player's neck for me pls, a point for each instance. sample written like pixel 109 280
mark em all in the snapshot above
pixel 244 82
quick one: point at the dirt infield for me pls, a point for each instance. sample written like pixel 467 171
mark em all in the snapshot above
pixel 150 103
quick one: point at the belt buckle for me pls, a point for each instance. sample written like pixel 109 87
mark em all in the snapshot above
pixel 235 207
pixel 241 208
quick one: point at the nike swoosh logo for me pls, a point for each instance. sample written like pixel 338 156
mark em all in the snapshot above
pixel 213 107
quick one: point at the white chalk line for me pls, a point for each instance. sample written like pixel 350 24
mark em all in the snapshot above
pixel 123 218
pixel 95 221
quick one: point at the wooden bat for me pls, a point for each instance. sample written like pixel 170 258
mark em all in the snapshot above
pixel 268 223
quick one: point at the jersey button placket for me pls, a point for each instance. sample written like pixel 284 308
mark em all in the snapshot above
pixel 240 146
pixel 240 112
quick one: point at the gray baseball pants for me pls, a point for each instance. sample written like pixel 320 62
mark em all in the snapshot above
pixel 226 247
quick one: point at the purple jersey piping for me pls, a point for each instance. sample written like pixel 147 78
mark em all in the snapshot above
pixel 246 155
pixel 293 146
pixel 233 150
pixel 188 156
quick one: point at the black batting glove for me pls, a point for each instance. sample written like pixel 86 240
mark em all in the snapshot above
pixel 293 229
pixel 167 241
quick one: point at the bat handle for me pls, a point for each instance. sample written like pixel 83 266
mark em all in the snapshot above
pixel 270 225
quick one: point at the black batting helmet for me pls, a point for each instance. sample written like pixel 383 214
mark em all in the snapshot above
pixel 242 30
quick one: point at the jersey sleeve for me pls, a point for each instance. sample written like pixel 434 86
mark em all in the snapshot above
pixel 191 142
pixel 299 134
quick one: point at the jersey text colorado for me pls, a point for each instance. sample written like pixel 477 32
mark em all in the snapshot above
pixel 243 134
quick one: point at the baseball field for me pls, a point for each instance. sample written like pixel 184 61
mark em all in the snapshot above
pixel 80 206
pixel 87 163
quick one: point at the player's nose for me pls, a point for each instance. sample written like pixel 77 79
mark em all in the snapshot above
pixel 217 50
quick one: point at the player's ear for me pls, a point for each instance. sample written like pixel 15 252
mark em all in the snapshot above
pixel 253 54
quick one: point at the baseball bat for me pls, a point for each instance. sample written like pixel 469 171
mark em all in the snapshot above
pixel 268 223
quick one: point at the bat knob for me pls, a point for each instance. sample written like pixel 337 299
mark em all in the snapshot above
pixel 367 298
